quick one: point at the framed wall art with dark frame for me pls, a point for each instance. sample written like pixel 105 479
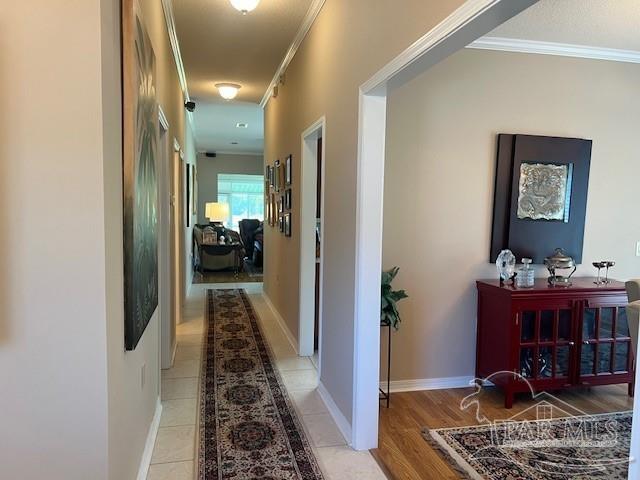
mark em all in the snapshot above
pixel 274 214
pixel 287 199
pixel 276 176
pixel 540 196
pixel 287 224
pixel 140 183
pixel 271 176
pixel 288 179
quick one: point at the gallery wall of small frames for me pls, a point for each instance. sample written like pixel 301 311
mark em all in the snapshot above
pixel 278 200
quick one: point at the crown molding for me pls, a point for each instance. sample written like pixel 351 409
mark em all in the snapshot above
pixel 167 8
pixel 559 49
pixel 307 22
pixel 462 16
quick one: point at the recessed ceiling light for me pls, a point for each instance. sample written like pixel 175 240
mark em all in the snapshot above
pixel 245 6
pixel 234 143
pixel 242 125
pixel 228 91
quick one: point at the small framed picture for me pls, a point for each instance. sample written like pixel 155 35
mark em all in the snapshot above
pixel 281 205
pixel 209 236
pixel 271 176
pixel 281 219
pixel 276 176
pixel 287 199
pixel 287 224
pixel 273 207
pixel 287 175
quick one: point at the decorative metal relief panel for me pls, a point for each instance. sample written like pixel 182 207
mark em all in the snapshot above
pixel 544 191
pixel 140 140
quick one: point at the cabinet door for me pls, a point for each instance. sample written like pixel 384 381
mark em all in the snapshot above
pixel 605 345
pixel 546 343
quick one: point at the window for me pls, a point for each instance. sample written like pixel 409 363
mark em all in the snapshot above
pixel 245 196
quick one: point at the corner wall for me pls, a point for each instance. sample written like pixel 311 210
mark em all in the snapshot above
pixel 348 43
pixel 439 175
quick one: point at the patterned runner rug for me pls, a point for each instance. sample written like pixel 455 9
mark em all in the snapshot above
pixel 577 448
pixel 248 428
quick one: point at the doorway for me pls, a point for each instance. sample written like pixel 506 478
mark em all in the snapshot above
pixel 311 221
pixel 470 21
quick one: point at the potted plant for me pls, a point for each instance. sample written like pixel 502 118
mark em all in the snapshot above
pixel 389 315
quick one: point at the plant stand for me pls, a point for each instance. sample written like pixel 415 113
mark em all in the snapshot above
pixel 385 395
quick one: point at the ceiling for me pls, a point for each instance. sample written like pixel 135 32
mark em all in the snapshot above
pixel 594 23
pixel 216 129
pixel 219 44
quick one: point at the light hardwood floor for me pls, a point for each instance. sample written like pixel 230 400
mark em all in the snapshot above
pixel 404 454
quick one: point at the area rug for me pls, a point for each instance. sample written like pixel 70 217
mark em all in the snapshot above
pixel 248 428
pixel 578 447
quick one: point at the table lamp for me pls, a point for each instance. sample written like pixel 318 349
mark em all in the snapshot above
pixel 217 213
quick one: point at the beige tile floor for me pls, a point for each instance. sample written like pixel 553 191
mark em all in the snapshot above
pixel 175 451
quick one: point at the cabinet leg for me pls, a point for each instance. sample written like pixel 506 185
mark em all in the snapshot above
pixel 508 400
pixel 631 387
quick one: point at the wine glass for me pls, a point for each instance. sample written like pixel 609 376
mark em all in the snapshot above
pixel 608 264
pixel 599 265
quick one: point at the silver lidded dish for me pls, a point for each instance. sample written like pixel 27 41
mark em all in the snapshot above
pixel 560 260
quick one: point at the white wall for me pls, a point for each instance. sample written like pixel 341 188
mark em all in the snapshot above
pixel 210 168
pixel 53 335
pixel 440 167
pixel 131 403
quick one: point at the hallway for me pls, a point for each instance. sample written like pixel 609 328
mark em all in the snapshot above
pixel 174 455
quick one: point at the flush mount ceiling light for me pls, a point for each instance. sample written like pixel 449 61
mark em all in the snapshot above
pixel 244 6
pixel 242 125
pixel 228 91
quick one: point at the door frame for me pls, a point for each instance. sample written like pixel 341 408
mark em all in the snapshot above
pixel 167 318
pixel 308 202
pixel 470 21
pixel 177 230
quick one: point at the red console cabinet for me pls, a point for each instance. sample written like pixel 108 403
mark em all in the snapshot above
pixel 554 337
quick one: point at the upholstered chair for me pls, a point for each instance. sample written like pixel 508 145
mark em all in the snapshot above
pixel 633 311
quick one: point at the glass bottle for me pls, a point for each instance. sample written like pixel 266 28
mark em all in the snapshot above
pixel 525 278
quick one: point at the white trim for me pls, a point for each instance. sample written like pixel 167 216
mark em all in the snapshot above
pixel 465 14
pixel 163 119
pixel 281 323
pixel 167 8
pixel 145 461
pixel 308 198
pixel 471 20
pixel 428 384
pixel 343 424
pixel 551 48
pixel 305 26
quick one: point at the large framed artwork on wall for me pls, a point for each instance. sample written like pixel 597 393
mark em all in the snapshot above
pixel 540 197
pixel 140 148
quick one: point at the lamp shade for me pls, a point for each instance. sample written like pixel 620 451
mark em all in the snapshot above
pixel 217 212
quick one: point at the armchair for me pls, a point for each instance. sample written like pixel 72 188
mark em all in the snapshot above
pixel 633 311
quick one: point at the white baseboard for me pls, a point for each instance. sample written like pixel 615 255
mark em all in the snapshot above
pixel 427 384
pixel 343 424
pixel 173 354
pixel 145 462
pixel 283 325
